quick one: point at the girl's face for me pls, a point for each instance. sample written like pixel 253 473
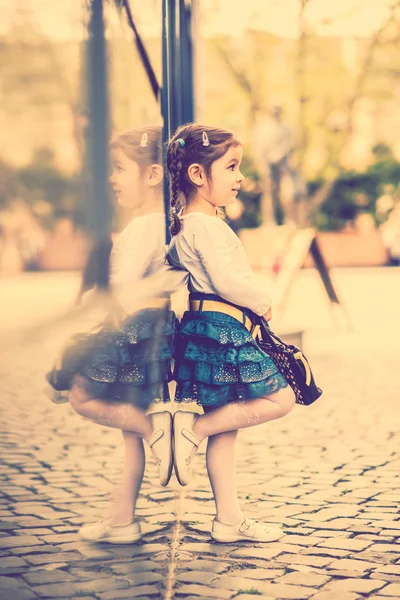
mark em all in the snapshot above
pixel 125 179
pixel 223 185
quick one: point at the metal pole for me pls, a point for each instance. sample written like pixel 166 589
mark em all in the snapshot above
pixel 174 66
pixel 165 104
pixel 186 61
pixel 98 137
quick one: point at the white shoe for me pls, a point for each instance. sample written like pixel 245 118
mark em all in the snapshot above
pixel 245 530
pixel 161 443
pixel 104 531
pixel 186 444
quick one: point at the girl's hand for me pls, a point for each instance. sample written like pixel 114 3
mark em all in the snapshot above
pixel 268 315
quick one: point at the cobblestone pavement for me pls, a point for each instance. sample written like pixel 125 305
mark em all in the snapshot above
pixel 329 474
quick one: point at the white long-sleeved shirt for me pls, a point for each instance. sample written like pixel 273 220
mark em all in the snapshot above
pixel 138 268
pixel 217 263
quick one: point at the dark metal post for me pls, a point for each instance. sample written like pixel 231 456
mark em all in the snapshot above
pixel 177 99
pixel 174 66
pixel 98 138
pixel 186 61
pixel 165 101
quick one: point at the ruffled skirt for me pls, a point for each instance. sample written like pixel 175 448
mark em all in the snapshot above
pixel 131 364
pixel 218 361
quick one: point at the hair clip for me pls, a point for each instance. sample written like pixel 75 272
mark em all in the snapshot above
pixel 206 141
pixel 181 142
pixel 143 141
pixel 173 210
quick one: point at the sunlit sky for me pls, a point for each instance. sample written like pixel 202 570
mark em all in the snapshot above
pixel 347 18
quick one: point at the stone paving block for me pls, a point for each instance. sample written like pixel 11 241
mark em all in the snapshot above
pixel 369 529
pixel 375 557
pixel 307 579
pixel 56 538
pixel 390 524
pixel 148 577
pixel 377 597
pixel 270 570
pixel 345 544
pixel 19 541
pixel 327 514
pixel 41 559
pixel 289 548
pixel 5 526
pixel 64 529
pixel 385 577
pixel 12 561
pixel 202 590
pixel 325 552
pixel 48 567
pixel 36 531
pixel 200 577
pixel 281 590
pixel 45 549
pixel 91 572
pixel 376 516
pixel 390 569
pixel 15 589
pixel 237 582
pixel 301 540
pixel 43 577
pixel 244 596
pixel 66 590
pixel 336 524
pixel 333 596
pixel 249 552
pixel 135 567
pixel 20 594
pixel 208 566
pixel 312 561
pixel 132 592
pixel 256 574
pixel 361 586
pixel 377 548
pixel 202 528
pixel 29 522
pixel 348 564
pixel 392 590
pixel 149 549
pixel 205 548
pixel 377 538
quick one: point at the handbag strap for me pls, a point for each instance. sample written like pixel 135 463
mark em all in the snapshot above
pixel 275 340
pixel 266 333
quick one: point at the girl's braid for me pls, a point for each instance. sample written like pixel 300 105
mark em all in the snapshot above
pixel 175 165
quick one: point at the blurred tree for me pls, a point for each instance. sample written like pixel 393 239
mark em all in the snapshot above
pixel 49 192
pixel 355 192
pixel 320 87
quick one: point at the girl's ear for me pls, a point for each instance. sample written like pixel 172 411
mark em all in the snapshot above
pixel 196 174
pixel 155 175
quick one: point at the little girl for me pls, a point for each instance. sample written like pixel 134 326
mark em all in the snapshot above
pixel 218 362
pixel 128 368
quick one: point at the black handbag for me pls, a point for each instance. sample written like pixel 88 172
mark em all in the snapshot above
pixel 292 363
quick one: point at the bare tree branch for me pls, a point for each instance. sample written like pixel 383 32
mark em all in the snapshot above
pixel 366 65
pixel 240 76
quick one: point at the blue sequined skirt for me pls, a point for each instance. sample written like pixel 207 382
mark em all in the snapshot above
pixel 131 364
pixel 218 361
